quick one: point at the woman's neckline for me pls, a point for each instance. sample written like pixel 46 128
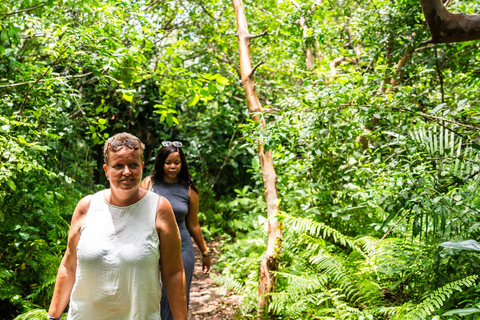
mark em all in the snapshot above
pixel 122 207
pixel 166 182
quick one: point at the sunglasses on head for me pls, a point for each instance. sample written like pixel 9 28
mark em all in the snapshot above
pixel 116 145
pixel 177 144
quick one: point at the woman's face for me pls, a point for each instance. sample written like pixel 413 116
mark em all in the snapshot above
pixel 172 167
pixel 124 169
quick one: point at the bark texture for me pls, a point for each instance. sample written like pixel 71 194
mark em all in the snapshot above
pixel 271 260
pixel 446 27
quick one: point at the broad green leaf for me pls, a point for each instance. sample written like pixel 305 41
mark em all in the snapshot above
pixel 222 80
pixel 11 184
pixel 462 245
pixel 390 217
pixel 212 88
pixel 169 120
pixel 193 100
pixel 462 312
pixel 128 97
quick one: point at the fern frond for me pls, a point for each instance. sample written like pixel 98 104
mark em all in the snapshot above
pixel 304 284
pixel 355 288
pixel 437 298
pixel 318 229
pixel 5 275
pixel 38 314
pixel 308 303
pixel 342 307
pixel 229 283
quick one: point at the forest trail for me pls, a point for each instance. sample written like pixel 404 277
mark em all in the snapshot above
pixel 207 299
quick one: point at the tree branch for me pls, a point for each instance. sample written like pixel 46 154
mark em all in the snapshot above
pixel 447 27
pixel 333 65
pixel 226 158
pixel 151 5
pixel 336 62
pixel 43 80
pixel 256 66
pixel 38 80
pixel 440 75
pixel 435 118
pixel 396 223
pixel 3 15
pixel 206 11
pixel 400 65
pixel 253 36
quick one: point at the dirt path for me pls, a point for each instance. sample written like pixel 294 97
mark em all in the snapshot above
pixel 207 299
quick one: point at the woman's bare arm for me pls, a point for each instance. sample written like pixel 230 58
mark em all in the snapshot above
pixel 145 184
pixel 193 227
pixel 68 266
pixel 171 265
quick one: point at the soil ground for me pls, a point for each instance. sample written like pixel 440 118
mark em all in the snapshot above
pixel 207 299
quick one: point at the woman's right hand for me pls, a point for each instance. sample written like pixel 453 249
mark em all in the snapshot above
pixel 206 264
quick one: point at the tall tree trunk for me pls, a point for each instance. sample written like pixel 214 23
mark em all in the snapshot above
pixel 301 22
pixel 309 58
pixel 448 27
pixel 274 244
pixel 407 56
pixel 318 52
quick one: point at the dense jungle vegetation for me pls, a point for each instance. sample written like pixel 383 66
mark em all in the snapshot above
pixel 374 136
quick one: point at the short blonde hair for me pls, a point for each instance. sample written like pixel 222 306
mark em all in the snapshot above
pixel 120 136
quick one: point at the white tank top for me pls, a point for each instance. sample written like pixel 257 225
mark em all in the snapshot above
pixel 118 275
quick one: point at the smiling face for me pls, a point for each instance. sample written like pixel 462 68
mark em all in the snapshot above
pixel 124 169
pixel 172 167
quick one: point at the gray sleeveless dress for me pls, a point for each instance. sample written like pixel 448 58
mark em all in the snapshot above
pixel 177 195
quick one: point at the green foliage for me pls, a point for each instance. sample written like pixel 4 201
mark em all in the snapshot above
pixel 376 166
pixel 437 298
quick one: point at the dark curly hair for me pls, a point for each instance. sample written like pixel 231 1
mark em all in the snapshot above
pixel 162 155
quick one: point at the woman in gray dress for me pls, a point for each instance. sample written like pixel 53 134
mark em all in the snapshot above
pixel 172 180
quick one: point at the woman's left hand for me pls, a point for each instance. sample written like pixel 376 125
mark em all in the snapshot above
pixel 206 264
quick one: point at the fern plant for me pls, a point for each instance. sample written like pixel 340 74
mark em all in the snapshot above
pixel 436 299
pixel 324 274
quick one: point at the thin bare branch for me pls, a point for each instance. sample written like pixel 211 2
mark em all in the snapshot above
pixel 253 36
pixel 206 11
pixel 460 158
pixel 3 15
pixel 38 80
pixel 427 116
pixel 226 158
pixel 44 80
pixel 151 5
pixel 396 223
pixel 221 57
pixel 256 66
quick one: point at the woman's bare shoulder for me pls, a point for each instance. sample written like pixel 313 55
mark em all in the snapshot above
pixel 145 184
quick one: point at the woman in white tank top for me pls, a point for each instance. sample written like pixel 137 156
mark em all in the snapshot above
pixel 119 240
